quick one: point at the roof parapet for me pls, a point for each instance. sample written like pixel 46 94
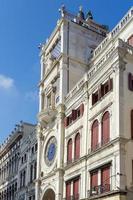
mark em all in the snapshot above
pixel 116 30
pixel 17 129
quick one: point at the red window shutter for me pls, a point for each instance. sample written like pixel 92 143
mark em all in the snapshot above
pixel 66 121
pixel 69 151
pixel 94 135
pixel 94 180
pixel 82 109
pixel 74 114
pixel 105 128
pixel 131 124
pixel 77 146
pixel 76 188
pixel 68 190
pixel 130 85
pixel 105 178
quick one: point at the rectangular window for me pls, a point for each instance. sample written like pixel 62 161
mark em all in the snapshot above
pixel 74 114
pixel 130 81
pixel 56 50
pixel 106 87
pixel 24 177
pixel 95 97
pixel 103 89
pixel 74 194
pixel 35 169
pixel 100 184
pixel 25 157
pixel 31 173
pixel 22 160
pixel 36 147
pixel 32 150
pixel 105 179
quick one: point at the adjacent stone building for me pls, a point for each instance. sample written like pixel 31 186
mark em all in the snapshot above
pixel 85 128
pixel 18 164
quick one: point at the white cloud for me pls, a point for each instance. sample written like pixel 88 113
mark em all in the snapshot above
pixel 6 82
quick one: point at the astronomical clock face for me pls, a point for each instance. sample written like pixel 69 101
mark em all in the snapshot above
pixel 50 151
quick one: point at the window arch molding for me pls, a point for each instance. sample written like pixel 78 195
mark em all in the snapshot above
pixel 77 145
pixel 105 127
pixel 94 134
pixel 69 149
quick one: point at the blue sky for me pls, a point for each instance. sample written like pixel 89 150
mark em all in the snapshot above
pixel 23 25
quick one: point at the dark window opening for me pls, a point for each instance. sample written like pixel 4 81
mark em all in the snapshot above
pixel 130 81
pixel 74 115
pixel 95 97
pixel 103 89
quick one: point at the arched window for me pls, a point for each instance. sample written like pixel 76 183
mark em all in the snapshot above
pixel 69 151
pixel 35 169
pixel 77 147
pixel 105 128
pixel 94 135
pixel 31 172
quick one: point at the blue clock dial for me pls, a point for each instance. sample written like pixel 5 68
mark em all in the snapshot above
pixel 51 151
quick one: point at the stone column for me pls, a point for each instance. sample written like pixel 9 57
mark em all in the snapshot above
pixel 37 185
pixel 63 81
pixel 60 151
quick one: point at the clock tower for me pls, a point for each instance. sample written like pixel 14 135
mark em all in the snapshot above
pixel 64 60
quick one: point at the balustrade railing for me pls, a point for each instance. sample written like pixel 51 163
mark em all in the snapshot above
pixel 97 190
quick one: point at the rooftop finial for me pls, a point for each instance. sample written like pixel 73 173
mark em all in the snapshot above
pixel 62 10
pixel 89 16
pixel 80 8
pixel 80 13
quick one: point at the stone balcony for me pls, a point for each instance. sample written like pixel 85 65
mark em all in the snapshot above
pixel 47 114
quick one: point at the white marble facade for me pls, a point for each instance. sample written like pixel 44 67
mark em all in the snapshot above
pixel 84 90
pixel 18 164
